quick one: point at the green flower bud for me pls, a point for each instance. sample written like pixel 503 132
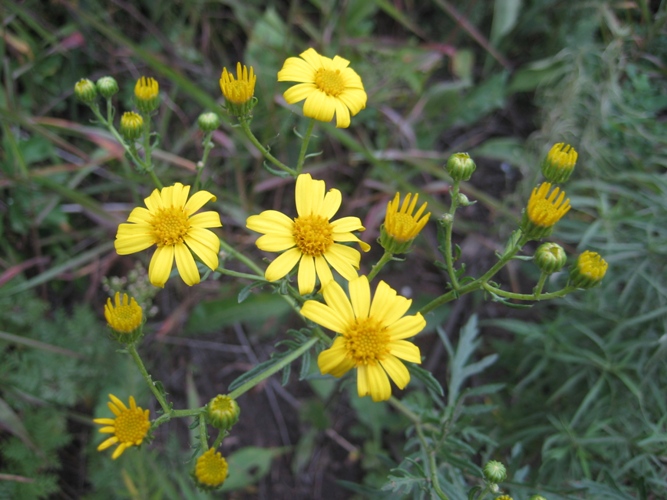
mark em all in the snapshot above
pixel 495 471
pixel 147 94
pixel 222 412
pixel 550 257
pixel 107 86
pixel 588 271
pixel 85 91
pixel 460 166
pixel 131 126
pixel 208 122
pixel 559 163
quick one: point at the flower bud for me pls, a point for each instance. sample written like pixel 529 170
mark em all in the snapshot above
pixel 147 94
pixel 504 497
pixel 208 122
pixel 107 86
pixel 550 258
pixel 495 471
pixel 588 271
pixel 222 412
pixel 131 126
pixel 460 166
pixel 559 163
pixel 85 91
pixel 537 497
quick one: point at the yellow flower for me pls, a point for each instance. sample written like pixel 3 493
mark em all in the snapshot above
pixel 310 239
pixel 401 226
pixel 559 163
pixel 147 92
pixel 372 335
pixel 211 469
pixel 131 125
pixel 129 428
pixel 241 89
pixel 588 271
pixel 544 210
pixel 327 85
pixel 126 316
pixel 170 224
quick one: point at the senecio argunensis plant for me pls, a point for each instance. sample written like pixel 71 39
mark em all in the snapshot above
pixel 358 328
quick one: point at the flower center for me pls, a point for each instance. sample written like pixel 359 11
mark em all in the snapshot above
pixel 544 213
pixel 239 91
pixel 329 81
pixel 131 425
pixel 170 226
pixel 313 235
pixel 367 341
pixel 127 318
pixel 403 227
pixel 211 468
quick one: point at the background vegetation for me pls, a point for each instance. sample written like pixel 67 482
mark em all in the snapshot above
pixel 569 395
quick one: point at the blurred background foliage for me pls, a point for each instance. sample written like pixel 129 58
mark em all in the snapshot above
pixel 571 396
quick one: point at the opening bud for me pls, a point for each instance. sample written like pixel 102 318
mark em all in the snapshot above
pixel 222 412
pixel 208 122
pixel 550 257
pixel 107 86
pixel 131 126
pixel 85 91
pixel 460 166
pixel 588 271
pixel 559 163
pixel 147 94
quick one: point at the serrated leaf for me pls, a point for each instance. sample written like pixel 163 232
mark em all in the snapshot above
pixel 427 379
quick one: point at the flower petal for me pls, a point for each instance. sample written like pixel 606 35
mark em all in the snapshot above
pixel 335 298
pixel 323 315
pixel 354 99
pixel 154 201
pixel 309 195
pixel 406 327
pixel 315 60
pixel 299 92
pixel 342 114
pixel 331 203
pixel 282 264
pixel 140 214
pixel 270 222
pixel 109 442
pixel 360 296
pixel 296 70
pixel 343 259
pixel 396 370
pixel 383 302
pixel 320 106
pixel 275 242
pixel 160 266
pixel 347 224
pixel 126 245
pixel 205 220
pixel 323 270
pixel 405 350
pixel 334 360
pixel 119 450
pixel 349 237
pixel 306 275
pixel 185 264
pixel 197 201
pixel 378 383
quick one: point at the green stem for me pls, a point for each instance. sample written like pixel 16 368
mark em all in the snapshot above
pixel 203 438
pixel 208 145
pixel 166 417
pixel 148 158
pixel 218 440
pixel 241 257
pixel 140 364
pixel 236 274
pixel 540 285
pixel 304 146
pixel 448 236
pixel 265 152
pixel 274 369
pixel 386 257
pixel 528 296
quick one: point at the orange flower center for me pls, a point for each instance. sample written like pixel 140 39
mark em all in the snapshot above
pixel 367 341
pixel 313 235
pixel 170 226
pixel 131 426
pixel 329 81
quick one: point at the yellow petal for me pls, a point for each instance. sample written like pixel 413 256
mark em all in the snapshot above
pixel 282 264
pixel 342 114
pixel 339 63
pixel 105 421
pixel 275 242
pixel 186 266
pixel 406 327
pixel 127 245
pixel 309 195
pixel 119 450
pixel 319 106
pixel 360 296
pixel 354 99
pixel 405 350
pixel 347 224
pixel 383 301
pixel 140 214
pixel 331 203
pixel 335 298
pixel 323 315
pixel 154 201
pixel 206 220
pixel 378 383
pixel 306 276
pixel 299 92
pixel 109 442
pixel 396 370
pixel 334 361
pixel 197 201
pixel 271 222
pixel 117 402
pixel 343 259
pixel 315 60
pixel 362 381
pixel 180 195
pixel 108 430
pixel 323 270
pixel 160 266
pixel 296 70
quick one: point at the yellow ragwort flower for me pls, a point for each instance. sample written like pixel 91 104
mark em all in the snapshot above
pixel 169 224
pixel 402 225
pixel 559 163
pixel 544 210
pixel 310 240
pixel 588 271
pixel 131 126
pixel 372 335
pixel 241 89
pixel 129 428
pixel 125 316
pixel 211 469
pixel 328 85
pixel 146 92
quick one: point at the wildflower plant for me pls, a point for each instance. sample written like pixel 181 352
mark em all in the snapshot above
pixel 355 334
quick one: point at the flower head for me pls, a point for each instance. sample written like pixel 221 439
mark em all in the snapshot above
pixel 129 428
pixel 329 87
pixel 460 166
pixel 544 210
pixel 169 224
pixel 222 412
pixel 550 257
pixel 146 92
pixel 211 470
pixel 495 471
pixel 131 126
pixel 372 335
pixel 310 240
pixel 402 225
pixel 588 271
pixel 125 316
pixel 85 91
pixel 559 163
pixel 107 86
pixel 241 89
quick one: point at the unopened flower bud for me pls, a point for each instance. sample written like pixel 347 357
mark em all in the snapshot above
pixel 495 471
pixel 222 412
pixel 588 271
pixel 208 122
pixel 147 94
pixel 131 125
pixel 537 497
pixel 550 257
pixel 107 86
pixel 85 91
pixel 464 201
pixel 460 166
pixel 559 163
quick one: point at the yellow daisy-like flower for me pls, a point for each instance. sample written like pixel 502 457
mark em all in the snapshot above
pixel 588 271
pixel 146 92
pixel 372 335
pixel 559 163
pixel 241 89
pixel 310 240
pixel 328 85
pixel 129 428
pixel 124 317
pixel 544 210
pixel 402 225
pixel 169 224
pixel 211 469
